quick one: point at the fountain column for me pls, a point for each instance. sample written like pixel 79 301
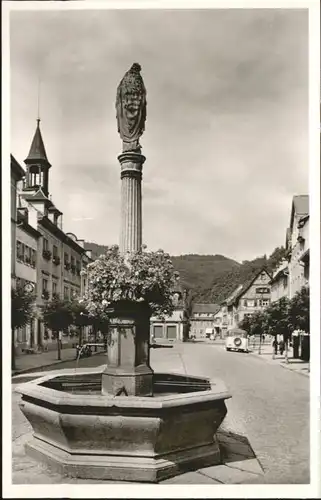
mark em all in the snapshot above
pixel 131 201
pixel 128 370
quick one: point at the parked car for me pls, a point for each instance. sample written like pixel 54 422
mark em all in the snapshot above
pixel 237 340
pixel 83 351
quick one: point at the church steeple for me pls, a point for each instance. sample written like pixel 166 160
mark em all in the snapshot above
pixel 37 164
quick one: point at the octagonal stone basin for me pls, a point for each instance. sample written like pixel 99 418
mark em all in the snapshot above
pixel 82 433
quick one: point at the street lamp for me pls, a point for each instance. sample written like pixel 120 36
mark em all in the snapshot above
pixel 29 287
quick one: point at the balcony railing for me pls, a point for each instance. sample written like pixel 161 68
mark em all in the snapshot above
pixel 26 260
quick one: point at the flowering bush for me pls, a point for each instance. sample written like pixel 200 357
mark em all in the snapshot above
pixel 139 277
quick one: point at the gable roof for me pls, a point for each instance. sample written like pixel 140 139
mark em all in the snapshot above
pixel 248 284
pixel 205 308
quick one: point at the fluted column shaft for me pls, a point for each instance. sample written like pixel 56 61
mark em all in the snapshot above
pixel 131 202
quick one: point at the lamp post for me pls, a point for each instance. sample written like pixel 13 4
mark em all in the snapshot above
pixel 260 343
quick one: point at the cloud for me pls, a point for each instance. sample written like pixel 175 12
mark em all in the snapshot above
pixel 226 136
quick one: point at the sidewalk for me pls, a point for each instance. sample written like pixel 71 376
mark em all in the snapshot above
pixel 295 365
pixel 30 362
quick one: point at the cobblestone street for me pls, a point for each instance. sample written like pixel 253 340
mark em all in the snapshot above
pixel 265 434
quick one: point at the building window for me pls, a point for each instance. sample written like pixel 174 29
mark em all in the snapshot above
pixel 264 302
pixel 171 332
pixel 250 303
pixel 55 256
pixel 73 265
pixel 54 289
pixel 45 292
pixel 66 292
pixel 66 261
pixel 33 258
pixel 245 303
pixel 20 251
pixel 158 331
pixel 45 249
pixel 78 267
pixel 27 256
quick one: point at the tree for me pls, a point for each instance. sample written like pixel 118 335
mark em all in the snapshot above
pixel 80 317
pixel 246 324
pixel 21 314
pixel 258 323
pixel 278 254
pixel 58 316
pixel 278 320
pixel 299 310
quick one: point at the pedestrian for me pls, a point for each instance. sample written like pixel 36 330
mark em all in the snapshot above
pixel 275 345
pixel 281 347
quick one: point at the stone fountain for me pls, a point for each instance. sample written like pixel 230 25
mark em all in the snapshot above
pixel 124 421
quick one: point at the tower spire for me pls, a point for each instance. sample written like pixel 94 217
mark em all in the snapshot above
pixel 38 107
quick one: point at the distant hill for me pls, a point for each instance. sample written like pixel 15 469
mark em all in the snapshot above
pixel 211 278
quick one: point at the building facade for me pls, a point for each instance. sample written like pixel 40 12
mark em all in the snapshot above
pixel 298 245
pixel 175 327
pixel 16 175
pixel 280 281
pixel 250 298
pixel 44 254
pixel 203 319
pixel 27 262
pixel 228 310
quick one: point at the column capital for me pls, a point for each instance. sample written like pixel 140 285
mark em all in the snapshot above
pixel 131 164
pixel 131 157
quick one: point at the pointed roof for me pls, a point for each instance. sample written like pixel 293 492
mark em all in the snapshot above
pixel 37 149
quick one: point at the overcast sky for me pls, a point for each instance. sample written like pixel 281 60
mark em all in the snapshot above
pixel 226 135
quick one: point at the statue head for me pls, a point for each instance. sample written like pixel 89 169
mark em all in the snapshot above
pixel 136 68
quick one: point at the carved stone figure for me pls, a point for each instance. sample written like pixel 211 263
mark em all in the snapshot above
pixel 131 108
